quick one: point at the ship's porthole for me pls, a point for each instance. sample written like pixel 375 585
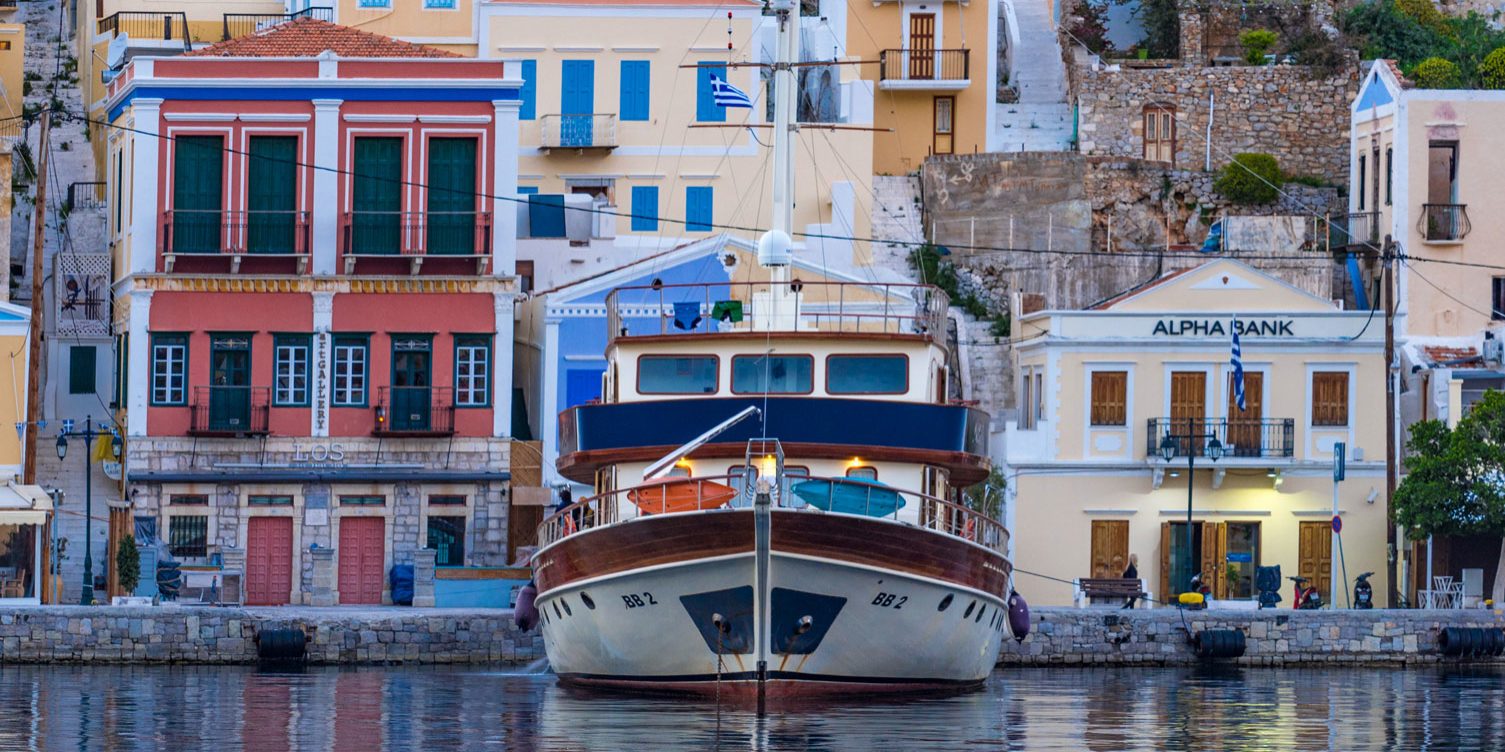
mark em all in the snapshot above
pixel 556 610
pixel 567 611
pixel 977 620
pixel 970 607
pixel 586 599
pixel 945 602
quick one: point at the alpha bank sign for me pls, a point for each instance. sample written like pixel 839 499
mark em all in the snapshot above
pixel 1221 328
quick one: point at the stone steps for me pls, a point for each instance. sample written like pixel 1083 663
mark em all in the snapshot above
pixel 896 216
pixel 1041 119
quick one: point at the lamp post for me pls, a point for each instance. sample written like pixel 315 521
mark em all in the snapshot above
pixel 1168 448
pixel 88 435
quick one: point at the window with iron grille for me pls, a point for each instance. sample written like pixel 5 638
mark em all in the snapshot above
pixel 290 358
pixel 350 360
pixel 188 536
pixel 472 371
pixel 447 538
pixel 169 369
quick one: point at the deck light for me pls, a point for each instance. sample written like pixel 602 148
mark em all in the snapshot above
pixel 770 466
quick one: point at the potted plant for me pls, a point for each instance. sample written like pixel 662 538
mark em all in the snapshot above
pixel 128 564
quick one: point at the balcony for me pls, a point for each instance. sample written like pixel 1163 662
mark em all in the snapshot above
pixel 156 31
pixel 924 70
pixel 1360 229
pixel 229 410
pixel 1443 223
pixel 265 236
pixel 380 240
pixel 241 24
pixel 1240 437
pixel 578 132
pixel 415 411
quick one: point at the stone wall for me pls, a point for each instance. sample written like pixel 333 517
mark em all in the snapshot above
pixel 1273 637
pixel 166 634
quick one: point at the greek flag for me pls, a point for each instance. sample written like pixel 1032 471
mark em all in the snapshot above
pixel 726 95
pixel 1238 368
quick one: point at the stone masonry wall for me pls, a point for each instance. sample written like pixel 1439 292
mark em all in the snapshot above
pixel 67 634
pixel 1273 637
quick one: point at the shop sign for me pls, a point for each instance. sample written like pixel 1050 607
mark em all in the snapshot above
pixel 1218 328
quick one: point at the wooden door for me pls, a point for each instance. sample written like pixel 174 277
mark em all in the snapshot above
pixel 1315 558
pixel 1110 547
pixel 269 561
pixel 1160 134
pixel 922 46
pixel 1215 557
pixel 944 141
pixel 1165 561
pixel 1245 432
pixel 362 559
pixel 1188 407
pixel 522 528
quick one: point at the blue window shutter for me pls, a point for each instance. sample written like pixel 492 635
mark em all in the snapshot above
pixel 644 208
pixel 706 110
pixel 527 190
pixel 634 90
pixel 530 90
pixel 546 215
pixel 698 208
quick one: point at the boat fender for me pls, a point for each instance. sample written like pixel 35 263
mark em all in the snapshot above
pixel 1018 616
pixel 525 614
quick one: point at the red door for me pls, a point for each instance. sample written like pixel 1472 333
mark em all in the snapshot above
pixel 362 544
pixel 269 561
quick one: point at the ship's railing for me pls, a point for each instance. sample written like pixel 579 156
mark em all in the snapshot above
pixel 719 307
pixel 653 498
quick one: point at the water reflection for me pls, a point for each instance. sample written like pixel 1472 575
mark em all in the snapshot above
pixel 227 708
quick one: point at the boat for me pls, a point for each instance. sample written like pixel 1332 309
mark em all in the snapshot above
pixel 778 475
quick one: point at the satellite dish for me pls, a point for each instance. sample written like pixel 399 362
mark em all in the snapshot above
pixel 115 53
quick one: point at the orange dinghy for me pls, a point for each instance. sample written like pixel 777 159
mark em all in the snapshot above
pixel 682 495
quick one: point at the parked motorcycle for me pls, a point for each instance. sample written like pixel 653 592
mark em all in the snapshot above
pixel 1363 593
pixel 1307 596
pixel 1199 588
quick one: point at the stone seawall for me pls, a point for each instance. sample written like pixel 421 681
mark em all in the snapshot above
pixel 76 634
pixel 1273 637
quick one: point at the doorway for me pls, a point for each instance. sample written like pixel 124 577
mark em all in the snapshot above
pixel 1245 435
pixel 269 561
pixel 1315 555
pixel 230 383
pixel 1241 559
pixel 1110 548
pixel 576 102
pixel 362 559
pixel 411 386
pixel 1189 408
pixel 921 46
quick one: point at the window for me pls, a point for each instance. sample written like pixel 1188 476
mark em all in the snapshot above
pixel 678 374
pixel 644 208
pixel 119 189
pixel 863 472
pixel 446 500
pixel 197 194
pixel 439 3
pixel 81 369
pixel 525 276
pixel 529 92
pixel 1359 189
pixel 169 369
pixel 1109 395
pixel 1039 395
pixel 1497 305
pixel 634 104
pixel 188 500
pixel 776 374
pixel 272 195
pixel 1330 398
pixel 376 197
pixel 188 537
pixel 1026 398
pixel 706 109
pixel 944 141
pixel 452 197
pixel 472 371
pixel 290 358
pixel 350 361
pixel 269 501
pixel 362 501
pixel 4 44
pixel 527 190
pixel 1389 172
pixel 376 3
pixel 867 374
pixel 698 200
pixel 1160 133
pixel 447 538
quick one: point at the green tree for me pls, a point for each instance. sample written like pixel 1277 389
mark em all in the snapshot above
pixel 1436 73
pixel 1455 482
pixel 1492 70
pixel 128 563
pixel 987 497
pixel 1251 178
pixel 1256 44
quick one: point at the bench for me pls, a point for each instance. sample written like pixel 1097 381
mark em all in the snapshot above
pixel 1106 591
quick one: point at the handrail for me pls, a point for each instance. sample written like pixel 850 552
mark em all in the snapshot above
pixel 1445 222
pixel 605 509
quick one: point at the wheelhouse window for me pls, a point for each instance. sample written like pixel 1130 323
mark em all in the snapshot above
pixel 867 374
pixel 1109 391
pixel 678 374
pixel 1330 398
pixel 290 358
pixel 350 366
pixel 472 371
pixel 774 374
pixel 169 369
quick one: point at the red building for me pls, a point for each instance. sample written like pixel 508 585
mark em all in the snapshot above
pixel 313 232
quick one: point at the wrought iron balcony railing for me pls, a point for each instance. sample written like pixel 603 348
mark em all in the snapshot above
pixel 1363 228
pixel 161 26
pixel 229 410
pixel 597 131
pixel 415 411
pixel 934 66
pixel 1443 222
pixel 1240 437
pixel 414 236
pixel 235 233
pixel 241 24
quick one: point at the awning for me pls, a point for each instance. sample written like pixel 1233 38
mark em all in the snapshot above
pixel 24 505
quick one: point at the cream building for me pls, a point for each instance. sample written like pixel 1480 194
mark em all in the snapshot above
pixel 1101 388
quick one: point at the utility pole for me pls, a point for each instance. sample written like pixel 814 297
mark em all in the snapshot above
pixel 1392 551
pixel 34 358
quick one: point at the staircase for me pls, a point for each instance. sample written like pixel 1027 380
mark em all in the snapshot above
pixel 1041 119
pixel 896 217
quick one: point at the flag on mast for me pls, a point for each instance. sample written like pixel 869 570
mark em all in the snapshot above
pixel 1238 368
pixel 726 95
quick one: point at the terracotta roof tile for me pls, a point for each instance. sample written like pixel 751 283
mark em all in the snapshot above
pixel 310 37
pixel 1442 354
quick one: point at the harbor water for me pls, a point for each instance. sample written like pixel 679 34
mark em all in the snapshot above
pixel 167 709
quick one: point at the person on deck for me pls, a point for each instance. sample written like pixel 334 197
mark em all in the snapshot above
pixel 1132 573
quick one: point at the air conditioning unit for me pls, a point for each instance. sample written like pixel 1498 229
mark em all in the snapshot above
pixel 1494 351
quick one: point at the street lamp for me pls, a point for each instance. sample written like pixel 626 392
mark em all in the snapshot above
pixel 1168 448
pixel 88 435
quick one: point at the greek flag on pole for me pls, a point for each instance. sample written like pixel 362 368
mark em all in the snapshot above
pixel 726 95
pixel 1238 368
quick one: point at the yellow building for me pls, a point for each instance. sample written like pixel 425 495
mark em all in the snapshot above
pixel 24 510
pixel 934 80
pixel 12 60
pixel 1100 390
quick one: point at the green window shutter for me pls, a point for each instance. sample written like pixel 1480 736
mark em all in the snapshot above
pixel 376 197
pixel 451 216
pixel 198 193
pixel 81 369
pixel 272 194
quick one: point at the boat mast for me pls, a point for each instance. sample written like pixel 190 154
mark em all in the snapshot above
pixel 775 248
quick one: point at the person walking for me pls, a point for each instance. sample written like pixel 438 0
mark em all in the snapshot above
pixel 1132 573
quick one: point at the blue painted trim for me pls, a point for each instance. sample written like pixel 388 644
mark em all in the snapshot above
pixel 297 94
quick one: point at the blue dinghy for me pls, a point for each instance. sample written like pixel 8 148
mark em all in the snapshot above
pixel 869 498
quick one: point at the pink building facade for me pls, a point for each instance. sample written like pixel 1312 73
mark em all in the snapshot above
pixel 313 232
